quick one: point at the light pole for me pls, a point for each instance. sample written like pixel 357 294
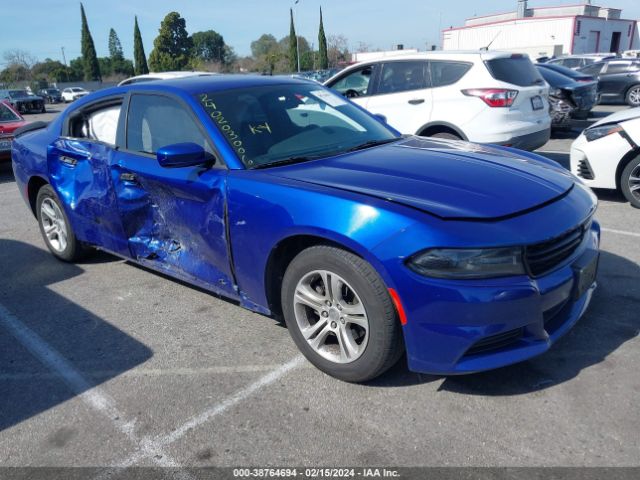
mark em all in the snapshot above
pixel 295 15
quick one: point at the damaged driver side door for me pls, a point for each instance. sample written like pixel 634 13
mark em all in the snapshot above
pixel 173 218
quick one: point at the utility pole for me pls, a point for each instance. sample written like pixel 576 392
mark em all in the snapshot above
pixel 64 59
pixel 295 15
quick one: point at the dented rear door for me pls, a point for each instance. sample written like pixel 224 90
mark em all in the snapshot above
pixel 173 218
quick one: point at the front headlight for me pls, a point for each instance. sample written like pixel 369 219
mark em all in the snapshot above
pixel 473 263
pixel 595 133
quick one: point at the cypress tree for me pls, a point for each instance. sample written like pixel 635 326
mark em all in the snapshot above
pixel 139 57
pixel 91 67
pixel 322 45
pixel 293 45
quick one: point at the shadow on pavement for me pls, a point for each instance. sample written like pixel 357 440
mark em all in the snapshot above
pixel 82 338
pixel 611 320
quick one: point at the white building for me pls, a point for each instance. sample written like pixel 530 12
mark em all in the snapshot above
pixel 547 31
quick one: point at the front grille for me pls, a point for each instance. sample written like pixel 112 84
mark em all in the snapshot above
pixel 543 257
pixel 584 170
pixel 495 342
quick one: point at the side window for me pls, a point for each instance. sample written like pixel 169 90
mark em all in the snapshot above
pixel 356 83
pixel 447 73
pixel 402 77
pixel 155 121
pixel 572 62
pixel 617 67
pixel 98 124
pixel 593 69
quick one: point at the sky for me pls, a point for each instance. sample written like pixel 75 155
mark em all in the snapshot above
pixel 43 27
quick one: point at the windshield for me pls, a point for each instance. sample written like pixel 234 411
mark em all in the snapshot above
pixel 288 123
pixel 53 91
pixel 18 93
pixel 7 115
pixel 77 89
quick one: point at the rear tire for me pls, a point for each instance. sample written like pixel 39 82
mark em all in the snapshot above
pixel 630 182
pixel 55 227
pixel 340 315
pixel 633 96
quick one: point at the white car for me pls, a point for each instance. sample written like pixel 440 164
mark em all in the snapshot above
pixel 150 77
pixel 73 93
pixel 480 96
pixel 606 154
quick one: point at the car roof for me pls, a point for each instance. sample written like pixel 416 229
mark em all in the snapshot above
pixel 201 84
pixel 440 54
pixel 163 76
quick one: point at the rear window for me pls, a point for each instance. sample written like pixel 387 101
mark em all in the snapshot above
pixel 516 70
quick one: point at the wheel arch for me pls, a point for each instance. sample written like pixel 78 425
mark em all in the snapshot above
pixel 631 87
pixel 440 127
pixel 289 247
pixel 33 187
pixel 631 155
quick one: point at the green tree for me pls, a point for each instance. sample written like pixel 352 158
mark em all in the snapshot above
pixel 51 70
pixel 208 46
pixel 139 57
pixel 323 57
pixel 115 47
pixel 106 66
pixel 91 67
pixel 266 52
pixel 293 45
pixel 172 47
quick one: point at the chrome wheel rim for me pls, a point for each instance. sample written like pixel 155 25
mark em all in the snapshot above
pixel 634 182
pixel 331 316
pixel 634 96
pixel 53 225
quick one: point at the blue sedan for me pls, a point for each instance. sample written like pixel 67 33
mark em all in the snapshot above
pixel 296 203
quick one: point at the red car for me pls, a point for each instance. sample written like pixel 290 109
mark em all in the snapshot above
pixel 10 120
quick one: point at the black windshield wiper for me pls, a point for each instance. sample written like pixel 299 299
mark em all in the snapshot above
pixel 372 143
pixel 285 161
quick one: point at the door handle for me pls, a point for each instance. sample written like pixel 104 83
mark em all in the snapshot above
pixel 70 161
pixel 129 177
pixel 416 101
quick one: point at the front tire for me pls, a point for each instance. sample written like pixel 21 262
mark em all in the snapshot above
pixel 633 96
pixel 340 315
pixel 630 182
pixel 55 227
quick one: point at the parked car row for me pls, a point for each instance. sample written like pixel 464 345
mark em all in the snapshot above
pixel 618 77
pixel 23 101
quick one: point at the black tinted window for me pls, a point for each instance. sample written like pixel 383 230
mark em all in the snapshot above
pixel 517 70
pixel 617 67
pixel 447 73
pixel 593 69
pixel 403 76
pixel 571 62
pixel 155 121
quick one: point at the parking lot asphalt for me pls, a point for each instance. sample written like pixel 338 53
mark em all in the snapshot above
pixel 103 363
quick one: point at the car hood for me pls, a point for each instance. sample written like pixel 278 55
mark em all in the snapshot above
pixel 621 116
pixel 27 98
pixel 448 179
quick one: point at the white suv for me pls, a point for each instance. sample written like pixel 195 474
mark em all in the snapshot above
pixel 483 97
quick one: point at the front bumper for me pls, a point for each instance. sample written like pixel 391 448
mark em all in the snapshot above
pixel 471 326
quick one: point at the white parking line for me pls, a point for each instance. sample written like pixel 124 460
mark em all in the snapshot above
pixel 90 395
pixel 151 446
pixel 146 372
pixel 621 232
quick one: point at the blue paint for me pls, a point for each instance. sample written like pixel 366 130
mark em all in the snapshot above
pixel 216 226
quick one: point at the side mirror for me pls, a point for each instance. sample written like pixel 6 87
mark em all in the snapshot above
pixel 381 118
pixel 179 155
